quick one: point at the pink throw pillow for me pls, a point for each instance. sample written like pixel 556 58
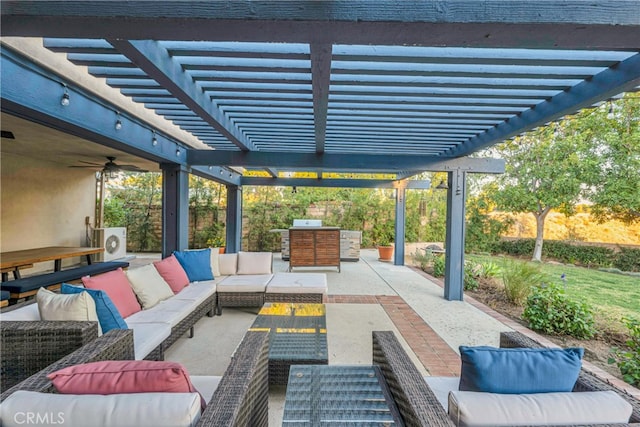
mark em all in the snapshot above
pixel 172 273
pixel 116 285
pixel 123 376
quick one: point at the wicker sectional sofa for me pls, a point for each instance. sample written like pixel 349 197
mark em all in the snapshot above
pixel 240 398
pixel 244 279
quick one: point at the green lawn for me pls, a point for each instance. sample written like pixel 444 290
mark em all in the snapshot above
pixel 612 295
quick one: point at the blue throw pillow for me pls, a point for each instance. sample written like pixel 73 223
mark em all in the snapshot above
pixel 519 370
pixel 108 315
pixel 196 263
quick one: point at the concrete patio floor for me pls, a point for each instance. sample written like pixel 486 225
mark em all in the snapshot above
pixel 365 296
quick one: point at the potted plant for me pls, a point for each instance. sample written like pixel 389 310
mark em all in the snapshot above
pixel 218 242
pixel 385 244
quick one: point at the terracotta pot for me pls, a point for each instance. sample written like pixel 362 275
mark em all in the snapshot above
pixel 221 249
pixel 385 253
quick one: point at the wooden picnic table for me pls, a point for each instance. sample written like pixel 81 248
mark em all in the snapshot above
pixel 13 261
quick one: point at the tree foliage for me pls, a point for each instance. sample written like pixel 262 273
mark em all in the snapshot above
pixel 612 132
pixel 544 171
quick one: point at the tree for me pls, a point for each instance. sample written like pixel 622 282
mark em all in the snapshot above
pixel 613 134
pixel 544 171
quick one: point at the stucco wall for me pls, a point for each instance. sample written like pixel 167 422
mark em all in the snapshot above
pixel 43 204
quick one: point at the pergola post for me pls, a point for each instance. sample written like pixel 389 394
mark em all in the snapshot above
pixel 234 218
pixel 454 244
pixel 175 208
pixel 398 256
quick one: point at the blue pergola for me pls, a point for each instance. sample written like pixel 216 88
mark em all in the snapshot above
pixel 354 87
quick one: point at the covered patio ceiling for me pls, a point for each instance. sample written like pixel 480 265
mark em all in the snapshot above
pixel 345 86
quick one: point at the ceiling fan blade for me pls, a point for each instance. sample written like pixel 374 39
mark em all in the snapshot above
pixel 131 168
pixel 96 167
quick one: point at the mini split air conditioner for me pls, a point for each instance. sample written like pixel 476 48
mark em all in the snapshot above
pixel 113 240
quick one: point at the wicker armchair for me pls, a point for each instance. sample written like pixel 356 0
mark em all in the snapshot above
pixel 241 398
pixel 418 404
pixel 415 400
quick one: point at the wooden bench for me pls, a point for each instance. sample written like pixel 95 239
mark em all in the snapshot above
pixel 28 286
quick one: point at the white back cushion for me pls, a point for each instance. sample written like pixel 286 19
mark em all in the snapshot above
pixel 228 264
pixel 215 262
pixel 31 408
pixel 254 262
pixel 470 408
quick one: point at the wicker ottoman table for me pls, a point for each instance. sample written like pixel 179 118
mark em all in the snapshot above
pixel 297 336
pixel 297 287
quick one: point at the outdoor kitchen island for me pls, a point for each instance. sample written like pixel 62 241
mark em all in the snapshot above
pixel 314 247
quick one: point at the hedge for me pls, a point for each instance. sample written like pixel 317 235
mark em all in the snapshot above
pixel 626 259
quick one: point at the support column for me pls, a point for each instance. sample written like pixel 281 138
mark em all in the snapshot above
pixel 234 218
pixel 175 208
pixel 454 255
pixel 398 254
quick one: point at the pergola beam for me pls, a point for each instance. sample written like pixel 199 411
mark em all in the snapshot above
pixel 346 162
pixel 335 183
pixel 320 80
pixel 605 24
pixel 625 76
pixel 154 60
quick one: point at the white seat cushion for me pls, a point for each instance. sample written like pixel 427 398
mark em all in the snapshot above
pixel 244 283
pixel 298 283
pixel 198 291
pixel 171 311
pixel 471 408
pixel 92 410
pixel 148 336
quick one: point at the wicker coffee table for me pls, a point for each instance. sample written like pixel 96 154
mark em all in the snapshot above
pixel 339 395
pixel 297 335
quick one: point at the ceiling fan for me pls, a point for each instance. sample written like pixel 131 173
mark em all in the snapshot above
pixel 111 167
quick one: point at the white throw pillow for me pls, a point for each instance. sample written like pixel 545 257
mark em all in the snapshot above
pixel 254 262
pixel 53 306
pixel 148 285
pixel 215 262
pixel 228 264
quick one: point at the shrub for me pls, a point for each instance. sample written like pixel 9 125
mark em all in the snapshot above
pixel 627 259
pixel 438 266
pixel 629 361
pixel 470 279
pixel 424 259
pixel 519 278
pixel 488 269
pixel 549 310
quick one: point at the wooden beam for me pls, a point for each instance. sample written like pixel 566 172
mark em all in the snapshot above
pixel 605 24
pixel 154 60
pixel 346 162
pixel 334 183
pixel 625 76
pixel 320 78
